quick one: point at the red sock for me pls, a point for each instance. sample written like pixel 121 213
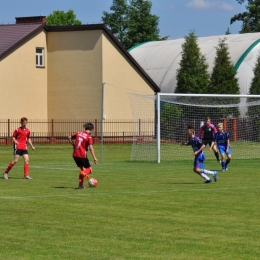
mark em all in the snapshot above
pixel 26 169
pixel 87 171
pixel 10 166
pixel 81 180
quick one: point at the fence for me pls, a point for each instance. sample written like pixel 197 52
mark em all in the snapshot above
pixel 56 131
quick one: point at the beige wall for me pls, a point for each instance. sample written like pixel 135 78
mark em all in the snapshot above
pixel 121 78
pixel 23 87
pixel 74 75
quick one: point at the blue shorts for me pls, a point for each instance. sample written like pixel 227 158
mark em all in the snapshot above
pixel 199 161
pixel 222 150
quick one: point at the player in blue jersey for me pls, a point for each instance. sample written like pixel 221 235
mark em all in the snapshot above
pixel 198 166
pixel 223 143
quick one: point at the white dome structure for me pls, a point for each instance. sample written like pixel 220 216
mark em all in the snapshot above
pixel 160 59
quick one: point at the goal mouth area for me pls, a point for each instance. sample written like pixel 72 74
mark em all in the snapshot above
pixel 170 114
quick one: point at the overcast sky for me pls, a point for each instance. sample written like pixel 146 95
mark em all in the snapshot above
pixel 177 17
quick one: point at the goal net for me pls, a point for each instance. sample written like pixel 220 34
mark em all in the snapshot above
pixel 158 136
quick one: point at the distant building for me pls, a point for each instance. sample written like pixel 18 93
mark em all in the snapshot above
pixel 57 72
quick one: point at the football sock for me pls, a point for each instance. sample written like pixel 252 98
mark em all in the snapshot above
pixel 207 171
pixel 87 171
pixel 223 164
pixel 26 169
pixel 204 176
pixel 10 166
pixel 217 155
pixel 81 180
pixel 227 161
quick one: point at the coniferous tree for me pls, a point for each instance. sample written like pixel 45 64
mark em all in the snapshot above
pixel 192 75
pixel 228 31
pixel 255 84
pixel 132 24
pixel 117 21
pixel 250 19
pixel 254 111
pixel 223 78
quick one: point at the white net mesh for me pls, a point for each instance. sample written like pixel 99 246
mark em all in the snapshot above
pixel 240 116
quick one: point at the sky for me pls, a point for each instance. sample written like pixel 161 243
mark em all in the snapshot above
pixel 176 17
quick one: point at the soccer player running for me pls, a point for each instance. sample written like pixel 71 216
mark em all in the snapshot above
pixel 199 158
pixel 208 130
pixel 81 142
pixel 223 142
pixel 21 137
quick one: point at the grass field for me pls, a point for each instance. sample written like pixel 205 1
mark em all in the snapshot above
pixel 139 210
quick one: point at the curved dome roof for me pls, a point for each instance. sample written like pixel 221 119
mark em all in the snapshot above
pixel 161 59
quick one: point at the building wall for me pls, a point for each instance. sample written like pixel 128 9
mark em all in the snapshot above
pixel 23 87
pixel 121 78
pixel 74 74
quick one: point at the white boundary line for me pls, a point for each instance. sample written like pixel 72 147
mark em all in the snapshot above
pixel 126 192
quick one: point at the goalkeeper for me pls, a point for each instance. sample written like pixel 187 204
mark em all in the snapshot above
pixel 199 158
pixel 209 130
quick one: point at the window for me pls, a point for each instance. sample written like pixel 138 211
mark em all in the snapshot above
pixel 39 57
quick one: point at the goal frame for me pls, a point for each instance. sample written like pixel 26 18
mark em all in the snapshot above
pixel 158 99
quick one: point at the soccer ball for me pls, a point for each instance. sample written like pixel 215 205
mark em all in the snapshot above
pixel 92 182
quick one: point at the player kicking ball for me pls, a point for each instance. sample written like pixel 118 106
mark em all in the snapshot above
pixel 81 142
pixel 199 158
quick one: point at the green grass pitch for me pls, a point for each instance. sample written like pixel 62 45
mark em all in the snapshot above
pixel 139 210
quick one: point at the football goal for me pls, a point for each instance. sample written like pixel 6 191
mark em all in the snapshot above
pixel 157 136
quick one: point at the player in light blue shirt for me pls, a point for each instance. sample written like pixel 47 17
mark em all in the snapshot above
pixel 223 142
pixel 198 165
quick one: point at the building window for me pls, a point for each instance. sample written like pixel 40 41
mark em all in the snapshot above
pixel 39 57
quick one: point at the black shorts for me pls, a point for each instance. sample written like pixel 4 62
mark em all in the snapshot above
pixel 20 152
pixel 209 142
pixel 82 162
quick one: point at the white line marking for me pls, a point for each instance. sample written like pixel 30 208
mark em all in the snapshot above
pixel 115 193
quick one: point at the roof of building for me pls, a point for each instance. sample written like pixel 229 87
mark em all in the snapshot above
pixel 160 59
pixel 12 35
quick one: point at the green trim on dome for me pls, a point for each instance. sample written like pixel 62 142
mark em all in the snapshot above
pixel 137 45
pixel 243 56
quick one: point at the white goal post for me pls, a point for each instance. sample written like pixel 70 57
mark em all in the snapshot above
pixel 170 114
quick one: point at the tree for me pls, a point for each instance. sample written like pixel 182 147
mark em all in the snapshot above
pixel 254 111
pixel 228 31
pixel 118 20
pixel 250 19
pixel 62 18
pixel 133 23
pixel 223 78
pixel 192 75
pixel 255 84
pixel 142 25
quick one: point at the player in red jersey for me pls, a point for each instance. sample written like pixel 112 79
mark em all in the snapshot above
pixel 21 137
pixel 81 142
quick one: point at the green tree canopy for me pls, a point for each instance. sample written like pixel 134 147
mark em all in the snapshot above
pixel 192 75
pixel 223 80
pixel 250 19
pixel 117 20
pixel 255 84
pixel 133 23
pixel 62 18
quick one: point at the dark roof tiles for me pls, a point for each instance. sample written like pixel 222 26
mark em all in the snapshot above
pixel 13 34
